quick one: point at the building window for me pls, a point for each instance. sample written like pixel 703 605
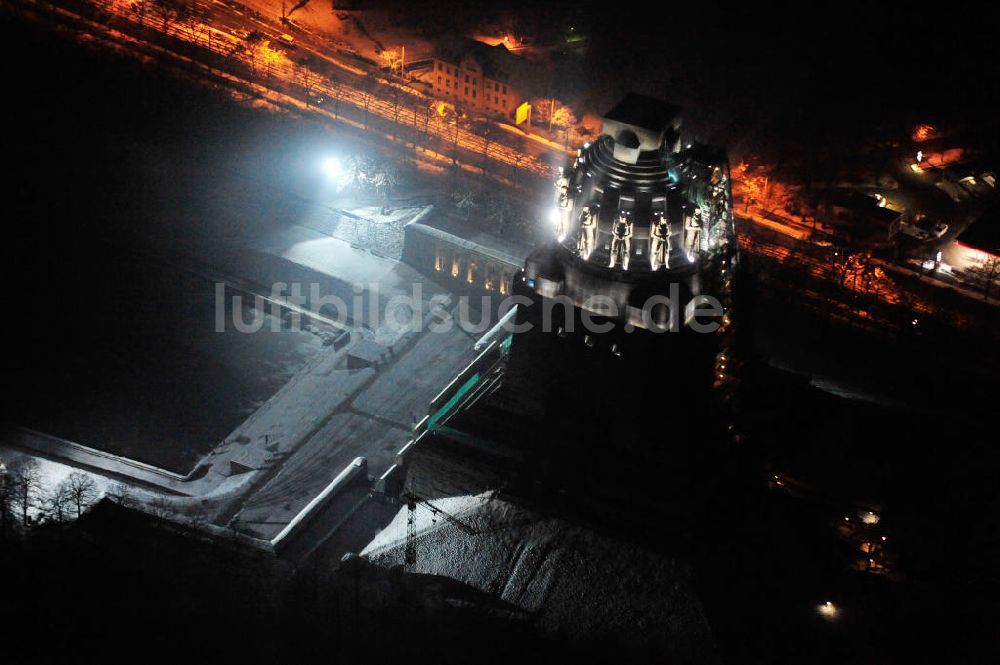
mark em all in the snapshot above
pixel 466 78
pixel 470 273
pixel 456 266
pixel 473 92
pixel 496 100
pixel 505 89
pixel 466 90
pixel 439 259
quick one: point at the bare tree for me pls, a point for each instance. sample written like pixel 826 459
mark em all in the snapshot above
pixel 366 86
pixel 430 111
pixel 308 77
pixel 122 494
pixel 396 97
pixel 358 173
pixel 337 94
pixel 254 42
pixel 501 212
pixel 6 500
pixel 986 276
pixel 161 507
pixel 563 119
pixel 465 201
pixel 519 145
pixel 139 8
pixel 81 490
pixel 58 502
pixel 487 131
pixel 461 124
pixel 26 485
pixel 384 181
pixel 198 518
pixel 392 59
pixel 170 10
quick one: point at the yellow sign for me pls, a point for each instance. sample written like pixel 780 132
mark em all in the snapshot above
pixel 522 113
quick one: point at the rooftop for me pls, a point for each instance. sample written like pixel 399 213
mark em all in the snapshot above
pixel 863 204
pixel 984 233
pixel 497 62
pixel 645 112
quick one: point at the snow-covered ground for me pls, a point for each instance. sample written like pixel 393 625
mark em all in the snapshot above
pixel 362 32
pixel 569 580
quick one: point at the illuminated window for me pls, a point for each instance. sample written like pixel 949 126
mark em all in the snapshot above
pixel 455 266
pixel 470 273
pixel 490 279
pixel 504 283
pixel 438 260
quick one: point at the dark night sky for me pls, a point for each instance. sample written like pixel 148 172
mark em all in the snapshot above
pixel 811 72
pixel 814 71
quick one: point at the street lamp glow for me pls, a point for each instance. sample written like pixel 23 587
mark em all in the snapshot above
pixel 828 611
pixel 332 167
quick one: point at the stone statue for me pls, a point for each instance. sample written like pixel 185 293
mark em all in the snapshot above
pixel 621 240
pixel 588 232
pixel 659 242
pixel 692 234
pixel 562 185
pixel 565 206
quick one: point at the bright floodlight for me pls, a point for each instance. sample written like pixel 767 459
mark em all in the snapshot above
pixel 332 167
pixel 828 611
pixel 869 517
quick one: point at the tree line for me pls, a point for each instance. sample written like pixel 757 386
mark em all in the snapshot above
pixel 26 502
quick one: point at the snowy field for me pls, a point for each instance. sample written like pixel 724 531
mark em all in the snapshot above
pixel 566 579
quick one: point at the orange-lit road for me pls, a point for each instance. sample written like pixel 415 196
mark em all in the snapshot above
pixel 411 119
pixel 850 273
pixel 208 27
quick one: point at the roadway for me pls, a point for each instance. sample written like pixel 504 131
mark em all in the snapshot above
pixel 356 94
pixel 374 422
